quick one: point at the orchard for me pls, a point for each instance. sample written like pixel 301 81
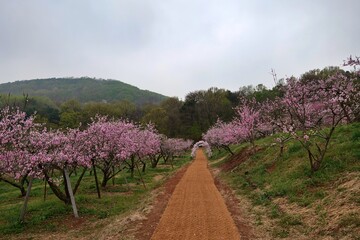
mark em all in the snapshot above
pixel 305 110
pixel 30 151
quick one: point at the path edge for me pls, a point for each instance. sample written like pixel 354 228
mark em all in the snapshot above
pixel 233 205
pixel 148 225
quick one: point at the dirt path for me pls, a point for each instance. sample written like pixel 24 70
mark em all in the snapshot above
pixel 196 210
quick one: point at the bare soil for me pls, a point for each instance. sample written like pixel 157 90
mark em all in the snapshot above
pixel 146 227
pixel 196 209
pixel 234 206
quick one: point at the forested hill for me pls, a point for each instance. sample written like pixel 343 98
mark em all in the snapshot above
pixel 82 89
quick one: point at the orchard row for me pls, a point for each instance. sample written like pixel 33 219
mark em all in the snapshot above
pixel 28 150
pixel 308 110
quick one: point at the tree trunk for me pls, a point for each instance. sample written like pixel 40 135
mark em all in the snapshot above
pixel 70 192
pixel 155 160
pixel 132 166
pixel 144 166
pixel 113 173
pixel 79 180
pixel 171 161
pixel 66 185
pixel 141 178
pixel 281 149
pixel 165 157
pixel 317 161
pixel 315 166
pixel 23 210
pixel 20 185
pixel 153 163
pixel 56 190
pixel 227 148
pixel 105 180
pixel 96 180
pixel 45 190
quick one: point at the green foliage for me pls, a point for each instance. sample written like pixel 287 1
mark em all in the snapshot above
pixel 172 107
pixel 280 233
pixel 260 92
pixel 46 110
pixel 201 109
pixel 290 220
pixel 83 89
pixel 350 220
pixel 158 116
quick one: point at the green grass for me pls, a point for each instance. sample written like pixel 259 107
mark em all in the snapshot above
pixel 290 176
pixel 49 215
pixel 350 220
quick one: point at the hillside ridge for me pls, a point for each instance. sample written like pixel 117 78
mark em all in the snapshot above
pixel 83 89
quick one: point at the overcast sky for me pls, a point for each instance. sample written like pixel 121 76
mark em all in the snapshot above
pixel 175 46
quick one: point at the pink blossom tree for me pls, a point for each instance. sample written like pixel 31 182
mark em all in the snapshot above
pixel 148 143
pixel 248 121
pixel 52 153
pixel 222 135
pixel 316 108
pixel 172 147
pixel 155 158
pixel 169 148
pixel 276 117
pixel 15 129
pixel 109 143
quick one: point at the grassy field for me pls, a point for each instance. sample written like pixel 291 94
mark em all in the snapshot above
pixel 287 200
pixel 52 215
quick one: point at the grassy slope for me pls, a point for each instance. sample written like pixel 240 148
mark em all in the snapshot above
pixel 287 201
pixel 52 215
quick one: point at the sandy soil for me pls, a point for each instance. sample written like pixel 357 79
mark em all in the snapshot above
pixel 146 227
pixel 196 210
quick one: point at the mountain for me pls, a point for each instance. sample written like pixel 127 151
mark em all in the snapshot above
pixel 83 89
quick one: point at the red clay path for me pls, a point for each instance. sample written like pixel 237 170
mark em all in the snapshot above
pixel 196 210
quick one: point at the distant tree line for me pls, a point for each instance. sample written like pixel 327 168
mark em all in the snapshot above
pixel 172 117
pixel 175 118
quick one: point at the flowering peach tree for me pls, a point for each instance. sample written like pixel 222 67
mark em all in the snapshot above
pixel 222 135
pixel 316 108
pixel 15 157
